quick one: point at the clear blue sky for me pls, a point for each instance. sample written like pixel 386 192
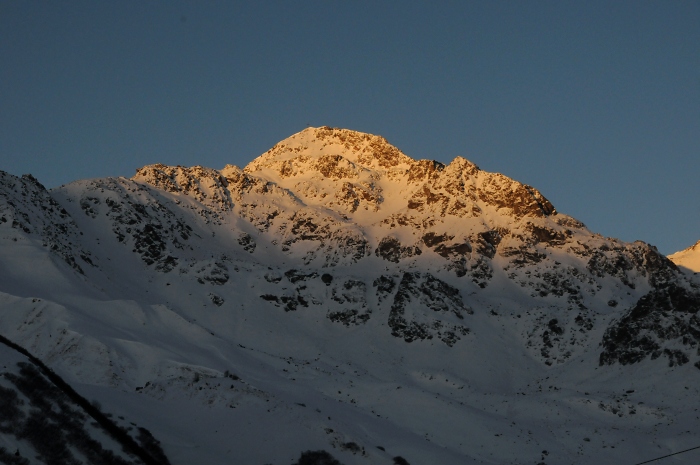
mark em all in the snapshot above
pixel 596 104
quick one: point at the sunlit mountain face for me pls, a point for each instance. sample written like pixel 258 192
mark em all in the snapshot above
pixel 688 258
pixel 336 299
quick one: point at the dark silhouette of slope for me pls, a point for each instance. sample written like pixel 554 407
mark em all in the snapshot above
pixel 56 418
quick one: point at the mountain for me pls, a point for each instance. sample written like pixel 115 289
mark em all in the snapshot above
pixel 688 258
pixel 337 295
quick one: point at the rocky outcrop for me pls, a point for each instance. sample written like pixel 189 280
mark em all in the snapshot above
pixel 29 210
pixel 392 250
pixel 443 302
pixel 351 299
pixel 518 200
pixel 246 241
pixel 209 187
pixel 149 228
pixel 664 322
pixel 213 272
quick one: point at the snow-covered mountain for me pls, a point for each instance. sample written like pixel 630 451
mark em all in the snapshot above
pixel 336 294
pixel 688 258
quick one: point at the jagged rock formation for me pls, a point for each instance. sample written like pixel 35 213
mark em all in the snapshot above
pixel 663 322
pixel 26 206
pixel 417 293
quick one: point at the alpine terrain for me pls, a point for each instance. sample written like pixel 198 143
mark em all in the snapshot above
pixel 688 258
pixel 338 299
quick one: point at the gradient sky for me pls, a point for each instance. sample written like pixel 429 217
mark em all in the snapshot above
pixel 596 104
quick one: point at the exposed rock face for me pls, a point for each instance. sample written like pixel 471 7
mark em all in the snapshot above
pixel 351 295
pixel 663 322
pixel 344 301
pixel 418 291
pixel 520 199
pixel 246 241
pixel 206 185
pixel 27 207
pixel 212 272
pixel 385 287
pixel 390 249
pixel 138 221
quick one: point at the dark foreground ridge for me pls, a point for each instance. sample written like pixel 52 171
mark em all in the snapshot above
pixel 52 433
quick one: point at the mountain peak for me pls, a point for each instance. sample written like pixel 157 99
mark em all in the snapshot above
pixel 365 150
pixel 349 171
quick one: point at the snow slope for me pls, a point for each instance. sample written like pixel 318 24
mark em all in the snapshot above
pixel 45 421
pixel 336 294
pixel 688 258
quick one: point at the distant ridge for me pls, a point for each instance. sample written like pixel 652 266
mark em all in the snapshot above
pixel 688 258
